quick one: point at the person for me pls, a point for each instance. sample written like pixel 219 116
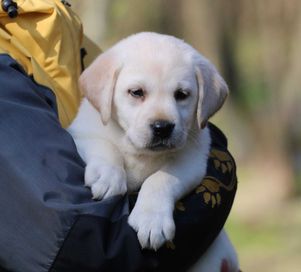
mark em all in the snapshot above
pixel 48 220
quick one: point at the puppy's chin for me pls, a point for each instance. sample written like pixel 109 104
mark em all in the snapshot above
pixel 161 147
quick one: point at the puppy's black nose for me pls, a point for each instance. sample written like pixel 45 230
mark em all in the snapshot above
pixel 162 128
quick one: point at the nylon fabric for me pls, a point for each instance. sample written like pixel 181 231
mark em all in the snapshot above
pixel 45 39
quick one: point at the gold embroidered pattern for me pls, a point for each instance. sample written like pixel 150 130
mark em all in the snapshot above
pixel 211 186
pixel 180 206
pixel 222 161
pixel 170 245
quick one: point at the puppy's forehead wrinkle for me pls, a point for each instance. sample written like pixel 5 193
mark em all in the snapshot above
pixel 153 45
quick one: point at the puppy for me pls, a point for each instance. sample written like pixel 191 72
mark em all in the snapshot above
pixel 142 125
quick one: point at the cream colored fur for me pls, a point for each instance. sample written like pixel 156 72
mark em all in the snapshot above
pixel 113 133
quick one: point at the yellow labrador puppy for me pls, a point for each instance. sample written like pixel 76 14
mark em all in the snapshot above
pixel 143 125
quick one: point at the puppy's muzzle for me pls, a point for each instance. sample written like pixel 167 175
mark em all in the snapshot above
pixel 162 129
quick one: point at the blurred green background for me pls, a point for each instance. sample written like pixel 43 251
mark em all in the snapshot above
pixel 256 45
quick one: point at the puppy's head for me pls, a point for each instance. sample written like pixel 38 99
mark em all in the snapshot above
pixel 156 87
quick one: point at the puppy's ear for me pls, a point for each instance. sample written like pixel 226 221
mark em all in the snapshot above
pixel 213 91
pixel 97 83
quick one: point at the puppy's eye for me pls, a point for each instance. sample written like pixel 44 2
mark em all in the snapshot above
pixel 181 94
pixel 136 93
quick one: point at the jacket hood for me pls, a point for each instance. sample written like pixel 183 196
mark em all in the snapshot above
pixel 45 38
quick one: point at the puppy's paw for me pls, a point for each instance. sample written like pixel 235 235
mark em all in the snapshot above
pixel 154 227
pixel 105 180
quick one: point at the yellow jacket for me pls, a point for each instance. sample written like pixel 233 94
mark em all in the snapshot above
pixel 45 38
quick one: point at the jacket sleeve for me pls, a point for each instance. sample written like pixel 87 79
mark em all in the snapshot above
pixel 48 220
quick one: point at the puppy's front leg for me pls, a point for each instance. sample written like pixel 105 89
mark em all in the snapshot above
pixel 104 172
pixel 152 216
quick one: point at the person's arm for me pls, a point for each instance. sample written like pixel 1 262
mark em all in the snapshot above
pixel 49 221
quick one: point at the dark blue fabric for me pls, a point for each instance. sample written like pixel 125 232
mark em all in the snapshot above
pixel 41 176
pixel 48 220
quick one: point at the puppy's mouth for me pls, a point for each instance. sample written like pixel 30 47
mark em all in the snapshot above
pixel 158 144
